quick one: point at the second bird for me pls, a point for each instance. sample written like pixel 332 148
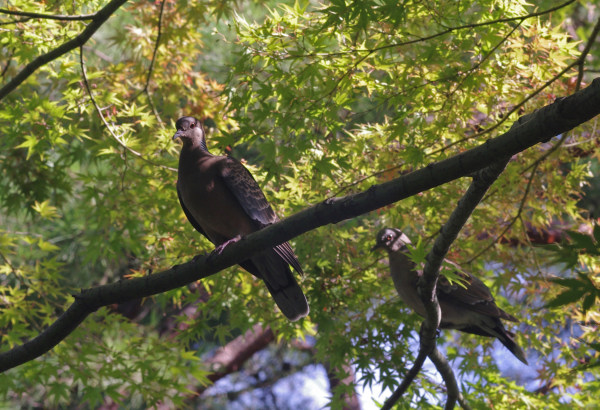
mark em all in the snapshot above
pixel 469 308
pixel 223 202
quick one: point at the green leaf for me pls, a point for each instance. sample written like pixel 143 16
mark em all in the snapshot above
pixel 45 210
pixel 565 298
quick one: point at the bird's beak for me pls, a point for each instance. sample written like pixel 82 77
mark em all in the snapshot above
pixel 377 246
pixel 177 135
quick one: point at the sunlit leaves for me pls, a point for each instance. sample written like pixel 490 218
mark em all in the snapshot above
pixel 318 100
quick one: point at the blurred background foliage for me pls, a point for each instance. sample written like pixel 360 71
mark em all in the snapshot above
pixel 318 100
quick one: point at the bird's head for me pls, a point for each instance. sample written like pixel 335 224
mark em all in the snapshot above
pixel 190 130
pixel 391 239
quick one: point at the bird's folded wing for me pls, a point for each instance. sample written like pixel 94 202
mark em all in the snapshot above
pixel 249 195
pixel 244 187
pixel 471 293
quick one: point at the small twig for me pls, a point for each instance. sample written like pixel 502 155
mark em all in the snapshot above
pixel 146 89
pixel 48 16
pixel 530 246
pixel 506 116
pixel 156 44
pixel 358 181
pixel 107 125
pixel 480 63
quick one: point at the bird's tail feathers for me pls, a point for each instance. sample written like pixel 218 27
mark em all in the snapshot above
pixel 287 254
pixel 507 339
pixel 282 285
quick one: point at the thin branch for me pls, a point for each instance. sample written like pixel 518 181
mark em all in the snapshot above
pixel 29 14
pixel 156 44
pixel 585 52
pixel 444 369
pixel 99 18
pixel 424 349
pixel 480 63
pixel 99 111
pixel 510 112
pixel 146 90
pixel 435 35
pixel 579 63
pixel 556 118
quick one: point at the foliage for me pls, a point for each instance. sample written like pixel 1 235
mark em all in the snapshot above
pixel 319 100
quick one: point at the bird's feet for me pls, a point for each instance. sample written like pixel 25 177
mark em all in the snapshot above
pixel 220 248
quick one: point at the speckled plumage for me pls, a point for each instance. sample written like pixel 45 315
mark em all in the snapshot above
pixel 223 202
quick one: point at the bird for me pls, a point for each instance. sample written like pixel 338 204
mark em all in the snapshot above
pixel 223 202
pixel 469 308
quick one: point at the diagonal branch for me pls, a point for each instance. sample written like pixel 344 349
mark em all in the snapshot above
pixel 556 118
pixel 48 16
pixel 448 30
pixel 99 18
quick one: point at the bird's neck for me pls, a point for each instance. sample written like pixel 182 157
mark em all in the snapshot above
pixel 196 144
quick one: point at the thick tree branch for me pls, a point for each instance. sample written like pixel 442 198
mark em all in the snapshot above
pixel 99 18
pixel 563 115
pixel 234 354
pixel 348 401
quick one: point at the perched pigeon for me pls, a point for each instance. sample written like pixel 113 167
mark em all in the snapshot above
pixel 223 202
pixel 471 309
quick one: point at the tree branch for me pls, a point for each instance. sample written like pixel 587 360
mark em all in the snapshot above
pixel 435 35
pixel 556 118
pixel 108 127
pixel 233 355
pixel 482 181
pixel 48 16
pixel 443 367
pixel 99 18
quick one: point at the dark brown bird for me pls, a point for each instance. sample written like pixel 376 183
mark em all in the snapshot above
pixel 470 309
pixel 223 202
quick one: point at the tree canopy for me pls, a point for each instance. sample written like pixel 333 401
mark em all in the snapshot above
pixel 445 119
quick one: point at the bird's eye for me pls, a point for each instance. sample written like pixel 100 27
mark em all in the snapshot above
pixel 192 125
pixel 388 238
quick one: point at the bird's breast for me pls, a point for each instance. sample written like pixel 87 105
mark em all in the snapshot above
pixel 213 206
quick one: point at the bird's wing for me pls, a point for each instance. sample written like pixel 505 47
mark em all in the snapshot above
pixel 246 190
pixel 189 216
pixel 244 187
pixel 472 294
